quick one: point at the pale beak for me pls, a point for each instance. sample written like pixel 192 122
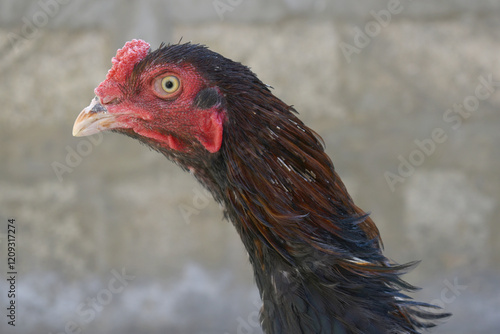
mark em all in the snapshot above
pixel 93 119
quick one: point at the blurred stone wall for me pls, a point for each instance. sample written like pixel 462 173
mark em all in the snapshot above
pixel 405 93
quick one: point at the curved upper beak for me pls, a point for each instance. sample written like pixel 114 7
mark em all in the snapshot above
pixel 93 119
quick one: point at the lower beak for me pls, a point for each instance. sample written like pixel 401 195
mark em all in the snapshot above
pixel 93 119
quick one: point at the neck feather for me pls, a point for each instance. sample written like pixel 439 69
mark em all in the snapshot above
pixel 316 256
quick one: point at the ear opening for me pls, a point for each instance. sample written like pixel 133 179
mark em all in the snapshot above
pixel 207 98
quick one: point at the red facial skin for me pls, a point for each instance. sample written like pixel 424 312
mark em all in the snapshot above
pixel 170 120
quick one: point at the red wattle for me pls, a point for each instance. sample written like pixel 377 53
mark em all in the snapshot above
pixel 169 140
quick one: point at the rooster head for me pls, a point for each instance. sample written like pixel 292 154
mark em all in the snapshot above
pixel 160 97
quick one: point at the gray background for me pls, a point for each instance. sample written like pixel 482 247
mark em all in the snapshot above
pixel 114 205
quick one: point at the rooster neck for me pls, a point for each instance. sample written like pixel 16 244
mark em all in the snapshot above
pixel 283 188
pixel 282 194
pixel 316 256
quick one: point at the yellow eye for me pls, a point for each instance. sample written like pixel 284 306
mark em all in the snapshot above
pixel 170 84
pixel 167 86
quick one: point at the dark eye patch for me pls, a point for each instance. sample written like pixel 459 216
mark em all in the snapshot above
pixel 207 98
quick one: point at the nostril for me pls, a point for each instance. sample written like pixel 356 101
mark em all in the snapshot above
pixel 98 108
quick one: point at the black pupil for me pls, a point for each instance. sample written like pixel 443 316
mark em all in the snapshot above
pixel 169 84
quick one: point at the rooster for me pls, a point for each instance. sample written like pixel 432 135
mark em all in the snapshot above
pixel 317 257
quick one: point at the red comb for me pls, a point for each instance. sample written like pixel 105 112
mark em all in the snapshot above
pixel 123 64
